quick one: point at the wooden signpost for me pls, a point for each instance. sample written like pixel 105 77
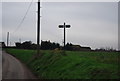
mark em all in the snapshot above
pixel 64 26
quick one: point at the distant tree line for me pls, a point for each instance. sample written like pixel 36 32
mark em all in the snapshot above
pixel 45 45
pixel 106 49
pixel 71 47
pixel 26 45
pixel 48 45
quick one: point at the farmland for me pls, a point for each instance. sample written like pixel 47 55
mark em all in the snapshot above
pixel 74 65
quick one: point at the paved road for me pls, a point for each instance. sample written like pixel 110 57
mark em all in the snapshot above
pixel 14 69
pixel 0 64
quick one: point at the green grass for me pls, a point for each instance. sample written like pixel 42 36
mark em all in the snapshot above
pixel 76 65
pixel 23 55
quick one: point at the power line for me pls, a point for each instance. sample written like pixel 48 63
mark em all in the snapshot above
pixel 23 18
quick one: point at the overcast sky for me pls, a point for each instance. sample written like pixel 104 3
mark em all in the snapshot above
pixel 93 24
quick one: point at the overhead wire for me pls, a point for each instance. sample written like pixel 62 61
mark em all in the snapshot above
pixel 19 25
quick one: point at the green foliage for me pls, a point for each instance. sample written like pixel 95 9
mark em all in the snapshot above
pixel 23 55
pixel 75 65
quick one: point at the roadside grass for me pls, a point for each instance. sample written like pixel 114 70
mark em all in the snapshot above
pixel 75 65
pixel 23 55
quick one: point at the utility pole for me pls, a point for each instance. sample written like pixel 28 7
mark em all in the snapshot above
pixel 38 29
pixel 7 38
pixel 64 26
pixel 19 40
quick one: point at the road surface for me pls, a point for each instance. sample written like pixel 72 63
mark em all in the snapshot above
pixel 14 69
pixel 0 64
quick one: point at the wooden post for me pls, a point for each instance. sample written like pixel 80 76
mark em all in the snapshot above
pixel 64 26
pixel 38 29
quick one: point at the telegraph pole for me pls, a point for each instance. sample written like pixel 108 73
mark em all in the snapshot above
pixel 7 38
pixel 20 40
pixel 38 29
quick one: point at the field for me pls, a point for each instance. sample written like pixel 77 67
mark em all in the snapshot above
pixel 75 65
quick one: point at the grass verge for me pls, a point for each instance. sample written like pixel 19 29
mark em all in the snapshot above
pixel 76 65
